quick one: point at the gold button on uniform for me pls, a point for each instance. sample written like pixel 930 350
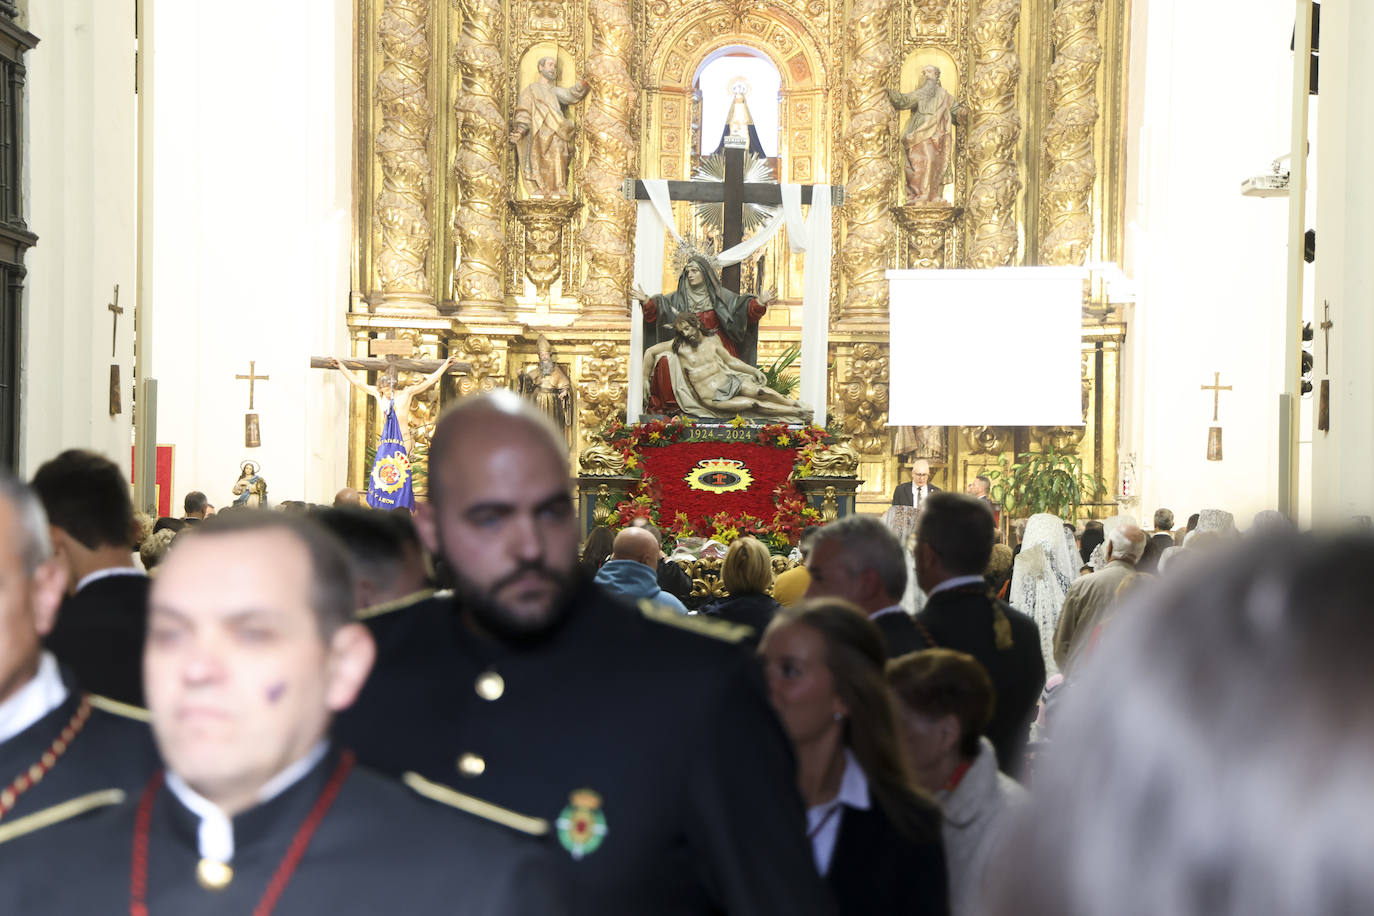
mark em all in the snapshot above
pixel 212 875
pixel 471 765
pixel 490 685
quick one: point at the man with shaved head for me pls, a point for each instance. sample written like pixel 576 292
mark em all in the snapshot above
pixel 643 736
pixel 632 570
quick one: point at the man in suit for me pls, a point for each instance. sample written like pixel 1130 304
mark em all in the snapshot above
pixel 102 621
pixel 252 647
pixel 82 749
pixel 643 735
pixel 914 492
pixel 1089 596
pixel 859 559
pixel 197 507
pixel 978 488
pixel 954 540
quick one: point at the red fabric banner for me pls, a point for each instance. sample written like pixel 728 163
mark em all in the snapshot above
pixel 701 479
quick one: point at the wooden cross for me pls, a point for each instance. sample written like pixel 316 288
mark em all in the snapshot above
pixel 734 192
pixel 394 352
pixel 1216 388
pixel 1326 326
pixel 251 378
pixel 116 310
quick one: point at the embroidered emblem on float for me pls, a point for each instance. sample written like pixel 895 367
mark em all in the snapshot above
pixel 582 824
pixel 390 473
pixel 719 475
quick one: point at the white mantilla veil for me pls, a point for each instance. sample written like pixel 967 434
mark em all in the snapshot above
pixel 1041 576
pixel 1098 561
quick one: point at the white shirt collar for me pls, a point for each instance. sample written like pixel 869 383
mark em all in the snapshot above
pixel 215 836
pixel 106 573
pixel 40 696
pixel 890 609
pixel 823 821
pixel 955 582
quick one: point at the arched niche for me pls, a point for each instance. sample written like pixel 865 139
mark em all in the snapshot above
pixel 676 57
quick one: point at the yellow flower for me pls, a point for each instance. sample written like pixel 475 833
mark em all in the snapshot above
pixel 784 441
pixel 632 461
pixel 739 421
pixel 655 436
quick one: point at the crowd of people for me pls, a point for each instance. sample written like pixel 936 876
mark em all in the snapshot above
pixel 482 709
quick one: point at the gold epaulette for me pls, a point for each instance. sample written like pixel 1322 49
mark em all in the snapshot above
pixel 534 826
pixel 696 623
pixel 114 707
pixel 59 813
pixel 397 604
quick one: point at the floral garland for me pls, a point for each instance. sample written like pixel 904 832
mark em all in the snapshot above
pixel 791 515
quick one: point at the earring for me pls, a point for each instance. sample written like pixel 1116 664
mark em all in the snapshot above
pixel 839 717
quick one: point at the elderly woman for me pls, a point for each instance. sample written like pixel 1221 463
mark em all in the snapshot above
pixel 747 573
pixel 945 700
pixel 1213 759
pixel 875 838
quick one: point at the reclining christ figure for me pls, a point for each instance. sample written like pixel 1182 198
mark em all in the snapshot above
pixel 708 381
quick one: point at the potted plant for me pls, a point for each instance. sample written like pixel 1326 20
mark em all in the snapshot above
pixel 1048 481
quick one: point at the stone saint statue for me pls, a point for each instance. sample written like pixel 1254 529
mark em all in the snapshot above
pixel 390 395
pixel 543 133
pixel 927 136
pixel 710 382
pixel 548 386
pixel 250 489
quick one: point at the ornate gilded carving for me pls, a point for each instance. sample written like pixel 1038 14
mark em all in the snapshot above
pixel 931 16
pixel 600 460
pixel 863 398
pixel 869 172
pixel 604 380
pixel 994 130
pixel 543 222
pixel 929 233
pixel 478 165
pixel 401 223
pixel 603 511
pixel 986 440
pixel 487 372
pixel 1065 202
pixel 830 507
pixel 611 157
pixel 835 460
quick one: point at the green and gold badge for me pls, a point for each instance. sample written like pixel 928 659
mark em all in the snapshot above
pixel 582 824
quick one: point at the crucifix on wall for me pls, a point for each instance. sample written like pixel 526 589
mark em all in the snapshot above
pixel 1214 433
pixel 1324 391
pixel 116 402
pixel 252 436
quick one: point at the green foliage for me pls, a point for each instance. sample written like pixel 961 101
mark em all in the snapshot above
pixel 775 376
pixel 1046 481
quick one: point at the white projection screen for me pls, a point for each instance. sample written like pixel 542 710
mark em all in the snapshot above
pixel 995 347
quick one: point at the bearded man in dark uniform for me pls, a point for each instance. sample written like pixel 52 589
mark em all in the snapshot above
pixel 251 648
pixel 644 737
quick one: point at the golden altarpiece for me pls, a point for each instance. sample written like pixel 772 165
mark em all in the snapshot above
pixel 453 254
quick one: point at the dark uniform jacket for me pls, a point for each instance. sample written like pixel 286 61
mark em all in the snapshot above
pixel 900 633
pixel 650 747
pixel 962 619
pixel 903 496
pixel 379 849
pixel 99 635
pixel 877 871
pixel 753 611
pixel 113 749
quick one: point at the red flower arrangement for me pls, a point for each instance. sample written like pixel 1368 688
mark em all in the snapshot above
pixel 763 502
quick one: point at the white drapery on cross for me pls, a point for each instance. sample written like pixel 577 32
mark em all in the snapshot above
pixel 811 236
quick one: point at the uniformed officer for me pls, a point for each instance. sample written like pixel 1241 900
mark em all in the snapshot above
pixel 60 749
pixel 644 737
pixel 251 648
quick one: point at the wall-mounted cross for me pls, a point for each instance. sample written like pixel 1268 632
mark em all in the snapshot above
pixel 251 378
pixel 1326 326
pixel 1216 388
pixel 116 310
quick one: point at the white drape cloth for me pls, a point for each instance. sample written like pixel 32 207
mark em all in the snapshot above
pixel 811 236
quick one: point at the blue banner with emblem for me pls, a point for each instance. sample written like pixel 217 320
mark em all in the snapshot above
pixel 389 485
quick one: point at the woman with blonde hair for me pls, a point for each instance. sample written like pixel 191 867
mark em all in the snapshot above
pixel 875 838
pixel 747 573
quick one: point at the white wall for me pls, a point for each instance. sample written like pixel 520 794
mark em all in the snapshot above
pixel 1209 106
pixel 250 199
pixel 82 204
pixel 1342 475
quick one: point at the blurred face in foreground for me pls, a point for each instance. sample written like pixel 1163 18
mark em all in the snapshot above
pixel 241 682
pixel 800 684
